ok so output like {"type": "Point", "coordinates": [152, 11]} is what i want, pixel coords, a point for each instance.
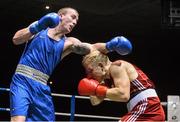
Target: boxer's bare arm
{"type": "Point", "coordinates": [101, 47]}
{"type": "Point", "coordinates": [22, 36]}
{"type": "Point", "coordinates": [121, 91]}
{"type": "Point", "coordinates": [96, 100]}
{"type": "Point", "coordinates": [78, 47]}
{"type": "Point", "coordinates": [81, 48]}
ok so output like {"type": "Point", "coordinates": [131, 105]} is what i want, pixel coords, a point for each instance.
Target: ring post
{"type": "Point", "coordinates": [72, 108]}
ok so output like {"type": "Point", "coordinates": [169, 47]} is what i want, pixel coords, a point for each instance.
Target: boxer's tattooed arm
{"type": "Point", "coordinates": [81, 48]}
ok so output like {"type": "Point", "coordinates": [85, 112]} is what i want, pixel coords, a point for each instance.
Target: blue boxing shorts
{"type": "Point", "coordinates": [31, 99]}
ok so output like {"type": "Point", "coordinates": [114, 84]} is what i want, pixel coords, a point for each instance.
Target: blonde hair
{"type": "Point", "coordinates": [65, 10]}
{"type": "Point", "coordinates": [94, 58]}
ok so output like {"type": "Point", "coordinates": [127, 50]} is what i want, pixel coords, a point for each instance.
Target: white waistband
{"type": "Point", "coordinates": [142, 95]}
{"type": "Point", "coordinates": [32, 73]}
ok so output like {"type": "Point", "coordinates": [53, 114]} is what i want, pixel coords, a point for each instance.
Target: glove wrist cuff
{"type": "Point", "coordinates": [109, 46]}
{"type": "Point", "coordinates": [33, 28]}
{"type": "Point", "coordinates": [101, 90]}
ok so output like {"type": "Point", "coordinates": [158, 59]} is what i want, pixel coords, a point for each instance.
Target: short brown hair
{"type": "Point", "coordinates": [65, 9]}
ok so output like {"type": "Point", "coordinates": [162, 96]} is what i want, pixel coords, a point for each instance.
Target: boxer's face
{"type": "Point", "coordinates": [98, 72]}
{"type": "Point", "coordinates": [69, 20]}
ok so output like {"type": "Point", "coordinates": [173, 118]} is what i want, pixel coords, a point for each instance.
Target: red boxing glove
{"type": "Point", "coordinates": [91, 87]}
{"type": "Point", "coordinates": [101, 90]}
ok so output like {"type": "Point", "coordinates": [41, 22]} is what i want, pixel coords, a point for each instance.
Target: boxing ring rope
{"type": "Point", "coordinates": [172, 100]}
{"type": "Point", "coordinates": [83, 97]}
{"type": "Point", "coordinates": [68, 114]}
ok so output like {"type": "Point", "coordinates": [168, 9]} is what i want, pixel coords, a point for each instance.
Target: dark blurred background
{"type": "Point", "coordinates": [153, 26]}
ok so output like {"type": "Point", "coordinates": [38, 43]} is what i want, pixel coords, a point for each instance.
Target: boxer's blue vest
{"type": "Point", "coordinates": [43, 53]}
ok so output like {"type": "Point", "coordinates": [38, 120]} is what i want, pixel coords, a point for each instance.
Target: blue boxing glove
{"type": "Point", "coordinates": [50, 20]}
{"type": "Point", "coordinates": [119, 44]}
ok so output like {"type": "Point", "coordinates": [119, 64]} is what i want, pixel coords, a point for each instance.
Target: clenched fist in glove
{"type": "Point", "coordinates": [50, 20]}
{"type": "Point", "coordinates": [119, 44]}
{"type": "Point", "coordinates": [91, 87]}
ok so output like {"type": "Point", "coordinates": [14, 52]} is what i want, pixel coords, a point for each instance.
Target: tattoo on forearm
{"type": "Point", "coordinates": [81, 49]}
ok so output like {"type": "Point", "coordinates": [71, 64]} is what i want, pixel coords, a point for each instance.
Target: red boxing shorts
{"type": "Point", "coordinates": [145, 106]}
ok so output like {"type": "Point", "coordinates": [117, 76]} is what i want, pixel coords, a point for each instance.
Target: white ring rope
{"type": "Point", "coordinates": [88, 116]}
{"type": "Point", "coordinates": [69, 96]}
{"type": "Point", "coordinates": [79, 97]}
{"type": "Point", "coordinates": [77, 115]}
{"type": "Point", "coordinates": [84, 97]}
